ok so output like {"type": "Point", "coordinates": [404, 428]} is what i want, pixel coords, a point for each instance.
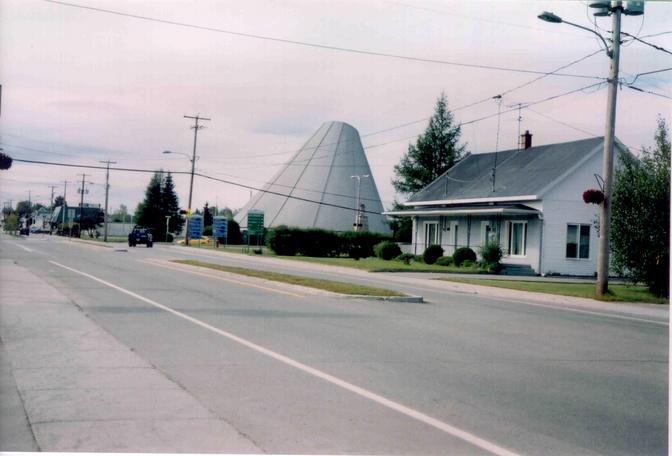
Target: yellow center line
{"type": "Point", "coordinates": [216, 276]}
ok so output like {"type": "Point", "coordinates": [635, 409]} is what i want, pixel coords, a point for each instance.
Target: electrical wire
{"type": "Point", "coordinates": [659, 48]}
{"type": "Point", "coordinates": [314, 45]}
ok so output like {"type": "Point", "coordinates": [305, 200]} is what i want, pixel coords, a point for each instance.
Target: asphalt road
{"type": "Point", "coordinates": [297, 372]}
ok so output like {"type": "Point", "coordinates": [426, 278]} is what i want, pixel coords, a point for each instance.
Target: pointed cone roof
{"type": "Point", "coordinates": [316, 188]}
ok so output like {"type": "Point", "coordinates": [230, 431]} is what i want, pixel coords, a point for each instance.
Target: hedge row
{"type": "Point", "coordinates": [316, 242]}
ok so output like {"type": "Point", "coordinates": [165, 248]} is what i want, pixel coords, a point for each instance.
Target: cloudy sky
{"type": "Point", "coordinates": [82, 83]}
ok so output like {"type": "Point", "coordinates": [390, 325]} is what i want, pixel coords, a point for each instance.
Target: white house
{"type": "Point", "coordinates": [528, 200]}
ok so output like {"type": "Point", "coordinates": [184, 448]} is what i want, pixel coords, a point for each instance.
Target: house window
{"type": "Point", "coordinates": [517, 238]}
{"type": "Point", "coordinates": [431, 233]}
{"type": "Point", "coordinates": [578, 241]}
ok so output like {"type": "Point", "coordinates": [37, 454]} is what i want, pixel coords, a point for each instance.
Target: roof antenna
{"type": "Point", "coordinates": [498, 98]}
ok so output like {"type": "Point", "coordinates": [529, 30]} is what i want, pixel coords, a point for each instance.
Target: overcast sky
{"type": "Point", "coordinates": [80, 86]}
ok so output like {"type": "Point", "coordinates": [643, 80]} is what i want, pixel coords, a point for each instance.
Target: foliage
{"type": "Point", "coordinates": [432, 253]}
{"type": "Point", "coordinates": [92, 218]}
{"type": "Point", "coordinates": [207, 215]}
{"type": "Point", "coordinates": [387, 250]}
{"type": "Point", "coordinates": [314, 242]}
{"type": "Point", "coordinates": [5, 161]}
{"type": "Point", "coordinates": [491, 253]}
{"type": "Point", "coordinates": [445, 261]}
{"type": "Point", "coordinates": [467, 264]}
{"type": "Point", "coordinates": [233, 233]}
{"type": "Point", "coordinates": [463, 254]}
{"type": "Point", "coordinates": [402, 227]}
{"type": "Point", "coordinates": [435, 151]}
{"type": "Point", "coordinates": [406, 258]}
{"type": "Point", "coordinates": [359, 244]}
{"type": "Point", "coordinates": [58, 201]}
{"type": "Point", "coordinates": [23, 209]}
{"type": "Point", "coordinates": [11, 223]}
{"type": "Point", "coordinates": [640, 229]}
{"type": "Point", "coordinates": [593, 196]}
{"type": "Point", "coordinates": [207, 230]}
{"type": "Point", "coordinates": [160, 201]}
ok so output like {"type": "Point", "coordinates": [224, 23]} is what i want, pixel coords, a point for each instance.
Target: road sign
{"type": "Point", "coordinates": [255, 222]}
{"type": "Point", "coordinates": [220, 226]}
{"type": "Point", "coordinates": [195, 227]}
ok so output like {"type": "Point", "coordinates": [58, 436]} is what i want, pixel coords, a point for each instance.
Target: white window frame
{"type": "Point", "coordinates": [437, 234]}
{"type": "Point", "coordinates": [578, 241]}
{"type": "Point", "coordinates": [509, 238]}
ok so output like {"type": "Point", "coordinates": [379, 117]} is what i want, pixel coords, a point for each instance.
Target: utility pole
{"type": "Point", "coordinates": [51, 204]}
{"type": "Point", "coordinates": [65, 206]}
{"type": "Point", "coordinates": [358, 209]}
{"type": "Point", "coordinates": [608, 157]}
{"type": "Point", "coordinates": [107, 190]}
{"type": "Point", "coordinates": [195, 127]}
{"type": "Point", "coordinates": [30, 210]}
{"type": "Point", "coordinates": [81, 205]}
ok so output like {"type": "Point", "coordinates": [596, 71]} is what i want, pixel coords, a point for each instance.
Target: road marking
{"type": "Point", "coordinates": [218, 277]}
{"type": "Point", "coordinates": [411, 413]}
{"type": "Point", "coordinates": [23, 247]}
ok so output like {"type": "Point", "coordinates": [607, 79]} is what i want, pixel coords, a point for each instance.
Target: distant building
{"type": "Point", "coordinates": [322, 186]}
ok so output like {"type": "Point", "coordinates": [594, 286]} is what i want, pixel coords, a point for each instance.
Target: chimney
{"type": "Point", "coordinates": [526, 139]}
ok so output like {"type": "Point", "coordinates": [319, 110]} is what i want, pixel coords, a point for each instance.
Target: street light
{"type": "Point", "coordinates": [192, 159]}
{"type": "Point", "coordinates": [358, 210]}
{"type": "Point", "coordinates": [605, 8]}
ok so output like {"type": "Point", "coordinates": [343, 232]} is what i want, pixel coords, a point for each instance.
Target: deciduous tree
{"type": "Point", "coordinates": [640, 224]}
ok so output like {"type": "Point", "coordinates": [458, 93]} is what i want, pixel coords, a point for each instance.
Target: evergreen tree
{"type": "Point", "coordinates": [640, 221]}
{"type": "Point", "coordinates": [207, 215]}
{"type": "Point", "coordinates": [58, 201]}
{"type": "Point", "coordinates": [435, 151]}
{"type": "Point", "coordinates": [150, 213]}
{"type": "Point", "coordinates": [171, 206]}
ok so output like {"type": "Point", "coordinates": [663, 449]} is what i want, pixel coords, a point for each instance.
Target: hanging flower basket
{"type": "Point", "coordinates": [593, 196]}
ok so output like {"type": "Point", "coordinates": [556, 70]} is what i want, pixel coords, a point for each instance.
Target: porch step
{"type": "Point", "coordinates": [518, 270]}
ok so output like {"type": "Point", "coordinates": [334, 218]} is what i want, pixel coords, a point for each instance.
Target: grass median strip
{"type": "Point", "coordinates": [320, 284]}
{"type": "Point", "coordinates": [617, 292]}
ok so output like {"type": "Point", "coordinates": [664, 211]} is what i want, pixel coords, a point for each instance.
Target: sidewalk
{"type": "Point", "coordinates": [67, 385]}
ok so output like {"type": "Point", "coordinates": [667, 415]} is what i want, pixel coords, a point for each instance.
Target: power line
{"type": "Point", "coordinates": [205, 176]}
{"type": "Point", "coordinates": [649, 92]}
{"type": "Point", "coordinates": [314, 45]}
{"type": "Point", "coordinates": [660, 48]}
{"type": "Point", "coordinates": [662, 70]}
{"type": "Point", "coordinates": [655, 34]}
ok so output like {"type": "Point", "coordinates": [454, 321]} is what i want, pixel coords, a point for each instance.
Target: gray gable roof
{"type": "Point", "coordinates": [519, 172]}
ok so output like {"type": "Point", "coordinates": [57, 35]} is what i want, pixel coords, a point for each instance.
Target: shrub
{"type": "Point", "coordinates": [432, 253]}
{"type": "Point", "coordinates": [359, 244]}
{"type": "Point", "coordinates": [445, 261]}
{"type": "Point", "coordinates": [207, 231]}
{"type": "Point", "coordinates": [233, 233]}
{"type": "Point", "coordinates": [281, 240]}
{"type": "Point", "coordinates": [406, 258]}
{"type": "Point", "coordinates": [387, 250]}
{"type": "Point", "coordinates": [463, 254]}
{"type": "Point", "coordinates": [467, 263]}
{"type": "Point", "coordinates": [170, 237]}
{"type": "Point", "coordinates": [491, 253]}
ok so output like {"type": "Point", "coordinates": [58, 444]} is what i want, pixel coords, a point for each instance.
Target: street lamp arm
{"type": "Point", "coordinates": [178, 153]}
{"type": "Point", "coordinates": [606, 45]}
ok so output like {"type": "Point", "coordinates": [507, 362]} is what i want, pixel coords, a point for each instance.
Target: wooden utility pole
{"type": "Point", "coordinates": [107, 190]}
{"type": "Point", "coordinates": [195, 127]}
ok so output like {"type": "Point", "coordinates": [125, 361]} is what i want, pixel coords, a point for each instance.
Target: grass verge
{"type": "Point", "coordinates": [617, 292]}
{"type": "Point", "coordinates": [320, 284]}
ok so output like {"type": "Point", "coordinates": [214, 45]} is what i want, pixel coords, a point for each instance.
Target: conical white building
{"type": "Point", "coordinates": [318, 188]}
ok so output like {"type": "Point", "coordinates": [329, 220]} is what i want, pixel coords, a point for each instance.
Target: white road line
{"type": "Point", "coordinates": [23, 247]}
{"type": "Point", "coordinates": [190, 270]}
{"type": "Point", "coordinates": [411, 413]}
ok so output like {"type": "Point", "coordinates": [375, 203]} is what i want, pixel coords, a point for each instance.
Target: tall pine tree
{"type": "Point", "coordinates": [435, 151]}
{"type": "Point", "coordinates": [171, 205]}
{"type": "Point", "coordinates": [149, 213]}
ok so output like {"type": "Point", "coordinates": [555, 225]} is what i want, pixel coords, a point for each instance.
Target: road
{"type": "Point", "coordinates": [298, 372]}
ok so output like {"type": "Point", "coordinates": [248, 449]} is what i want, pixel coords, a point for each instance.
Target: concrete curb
{"type": "Point", "coordinates": [412, 299]}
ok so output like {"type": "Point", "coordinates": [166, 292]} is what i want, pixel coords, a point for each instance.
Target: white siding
{"type": "Point", "coordinates": [564, 205]}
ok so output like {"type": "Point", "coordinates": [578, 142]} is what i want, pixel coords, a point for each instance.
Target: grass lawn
{"type": "Point", "coordinates": [617, 292]}
{"type": "Point", "coordinates": [320, 284]}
